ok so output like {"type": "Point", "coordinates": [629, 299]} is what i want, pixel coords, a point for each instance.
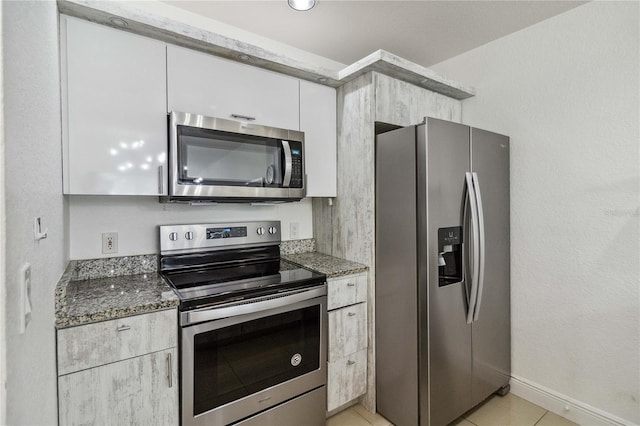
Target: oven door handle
{"type": "Point", "coordinates": [210, 314]}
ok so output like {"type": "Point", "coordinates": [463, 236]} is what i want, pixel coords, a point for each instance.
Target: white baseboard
{"type": "Point", "coordinates": [564, 406]}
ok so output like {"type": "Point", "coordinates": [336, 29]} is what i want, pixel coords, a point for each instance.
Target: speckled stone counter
{"type": "Point", "coordinates": [81, 301]}
{"type": "Point", "coordinates": [330, 266]}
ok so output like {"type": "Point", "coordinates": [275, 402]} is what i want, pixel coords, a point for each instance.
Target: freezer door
{"type": "Point", "coordinates": [443, 147]}
{"type": "Point", "coordinates": [491, 330]}
{"type": "Point", "coordinates": [396, 277]}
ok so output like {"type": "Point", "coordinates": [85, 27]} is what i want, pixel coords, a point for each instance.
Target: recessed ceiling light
{"type": "Point", "coordinates": [118, 21]}
{"type": "Point", "coordinates": [301, 4]}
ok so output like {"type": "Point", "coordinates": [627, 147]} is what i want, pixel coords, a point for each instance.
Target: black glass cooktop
{"type": "Point", "coordinates": [215, 278]}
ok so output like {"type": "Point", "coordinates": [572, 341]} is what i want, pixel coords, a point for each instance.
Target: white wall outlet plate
{"type": "Point", "coordinates": [109, 242]}
{"type": "Point", "coordinates": [294, 230]}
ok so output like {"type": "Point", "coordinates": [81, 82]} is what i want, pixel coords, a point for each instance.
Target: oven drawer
{"type": "Point", "coordinates": [346, 379]}
{"type": "Point", "coordinates": [92, 345]}
{"type": "Point", "coordinates": [307, 409]}
{"type": "Point", "coordinates": [347, 330]}
{"type": "Point", "coordinates": [345, 291]}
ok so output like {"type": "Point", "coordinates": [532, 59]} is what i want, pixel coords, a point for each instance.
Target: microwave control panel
{"type": "Point", "coordinates": [296, 164]}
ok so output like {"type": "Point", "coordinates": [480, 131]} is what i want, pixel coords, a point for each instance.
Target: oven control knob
{"type": "Point", "coordinates": [273, 230]}
{"type": "Point", "coordinates": [189, 235]}
{"type": "Point", "coordinates": [260, 231]}
{"type": "Point", "coordinates": [173, 236]}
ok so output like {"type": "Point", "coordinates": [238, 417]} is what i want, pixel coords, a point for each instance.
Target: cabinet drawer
{"type": "Point", "coordinates": [347, 379]}
{"type": "Point", "coordinates": [346, 291]}
{"type": "Point", "coordinates": [347, 330]}
{"type": "Point", "coordinates": [91, 345]}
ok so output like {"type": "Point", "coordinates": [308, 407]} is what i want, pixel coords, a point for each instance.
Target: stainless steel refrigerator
{"type": "Point", "coordinates": [442, 271]}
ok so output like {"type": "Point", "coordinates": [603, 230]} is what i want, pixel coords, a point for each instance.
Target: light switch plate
{"type": "Point", "coordinates": [25, 297]}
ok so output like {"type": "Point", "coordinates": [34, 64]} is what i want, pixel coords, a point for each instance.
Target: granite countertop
{"type": "Point", "coordinates": [330, 266]}
{"type": "Point", "coordinates": [103, 289]}
{"type": "Point", "coordinates": [83, 301]}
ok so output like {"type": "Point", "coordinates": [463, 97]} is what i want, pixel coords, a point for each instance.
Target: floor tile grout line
{"type": "Point", "coordinates": [545, 413]}
{"type": "Point", "coordinates": [356, 411]}
{"type": "Point", "coordinates": [473, 422]}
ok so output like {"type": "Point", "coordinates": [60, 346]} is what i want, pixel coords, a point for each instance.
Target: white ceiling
{"type": "Point", "coordinates": [425, 32]}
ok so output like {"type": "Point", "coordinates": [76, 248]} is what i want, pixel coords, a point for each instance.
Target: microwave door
{"type": "Point", "coordinates": [224, 162]}
{"type": "Point", "coordinates": [220, 160]}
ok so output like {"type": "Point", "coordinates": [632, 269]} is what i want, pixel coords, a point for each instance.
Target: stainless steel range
{"type": "Point", "coordinates": [253, 327]}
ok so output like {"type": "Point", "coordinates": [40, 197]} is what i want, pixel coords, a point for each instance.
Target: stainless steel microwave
{"type": "Point", "coordinates": [218, 160]}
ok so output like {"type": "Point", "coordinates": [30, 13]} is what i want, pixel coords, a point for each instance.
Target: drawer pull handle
{"type": "Point", "coordinates": [351, 285]}
{"type": "Point", "coordinates": [123, 328]}
{"type": "Point", "coordinates": [264, 400]}
{"type": "Point", "coordinates": [350, 362]}
{"type": "Point", "coordinates": [243, 117]}
{"type": "Point", "coordinates": [352, 314]}
{"type": "Point", "coordinates": [169, 372]}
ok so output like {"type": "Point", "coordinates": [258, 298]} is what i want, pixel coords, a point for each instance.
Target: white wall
{"type": "Point", "coordinates": [567, 92]}
{"type": "Point", "coordinates": [136, 221]}
{"type": "Point", "coordinates": [3, 251]}
{"type": "Point", "coordinates": [33, 189]}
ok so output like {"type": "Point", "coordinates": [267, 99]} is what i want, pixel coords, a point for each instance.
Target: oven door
{"type": "Point", "coordinates": [235, 367]}
{"type": "Point", "coordinates": [214, 158]}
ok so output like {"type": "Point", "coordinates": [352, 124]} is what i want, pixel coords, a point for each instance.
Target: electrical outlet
{"type": "Point", "coordinates": [294, 230]}
{"type": "Point", "coordinates": [109, 242]}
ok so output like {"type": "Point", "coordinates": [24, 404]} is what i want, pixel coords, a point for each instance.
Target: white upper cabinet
{"type": "Point", "coordinates": [318, 122]}
{"type": "Point", "coordinates": [202, 84]}
{"type": "Point", "coordinates": [114, 111]}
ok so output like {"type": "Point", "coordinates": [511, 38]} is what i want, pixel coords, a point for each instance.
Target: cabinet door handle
{"type": "Point", "coordinates": [160, 179]}
{"type": "Point", "coordinates": [352, 314]}
{"type": "Point", "coordinates": [350, 362]}
{"type": "Point", "coordinates": [351, 285]}
{"type": "Point", "coordinates": [242, 117]}
{"type": "Point", "coordinates": [123, 328]}
{"type": "Point", "coordinates": [169, 375]}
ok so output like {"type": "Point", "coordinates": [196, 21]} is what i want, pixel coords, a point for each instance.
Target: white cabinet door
{"type": "Point", "coordinates": [318, 122]}
{"type": "Point", "coordinates": [347, 330]}
{"type": "Point", "coordinates": [202, 84]}
{"type": "Point", "coordinates": [114, 111]}
{"type": "Point", "coordinates": [138, 391]}
{"type": "Point", "coordinates": [346, 379]}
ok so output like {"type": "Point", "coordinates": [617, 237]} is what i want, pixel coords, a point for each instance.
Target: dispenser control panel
{"type": "Point", "coordinates": [450, 255]}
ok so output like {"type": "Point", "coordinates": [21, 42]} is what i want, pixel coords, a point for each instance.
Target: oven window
{"type": "Point", "coordinates": [210, 157]}
{"type": "Point", "coordinates": [236, 361]}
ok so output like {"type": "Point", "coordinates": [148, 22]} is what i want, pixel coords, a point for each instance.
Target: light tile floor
{"type": "Point", "coordinates": [497, 411]}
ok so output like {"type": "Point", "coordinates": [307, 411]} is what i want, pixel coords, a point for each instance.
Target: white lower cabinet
{"type": "Point", "coordinates": [122, 371]}
{"type": "Point", "coordinates": [347, 352]}
{"type": "Point", "coordinates": [141, 391]}
{"type": "Point", "coordinates": [346, 379]}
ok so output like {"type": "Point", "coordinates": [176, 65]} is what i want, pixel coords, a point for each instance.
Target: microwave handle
{"type": "Point", "coordinates": [287, 164]}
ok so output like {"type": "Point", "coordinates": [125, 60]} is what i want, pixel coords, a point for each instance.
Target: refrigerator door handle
{"type": "Point", "coordinates": [471, 194]}
{"type": "Point", "coordinates": [476, 185]}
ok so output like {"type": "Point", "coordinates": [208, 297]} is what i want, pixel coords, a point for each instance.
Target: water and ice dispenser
{"type": "Point", "coordinates": [449, 255]}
